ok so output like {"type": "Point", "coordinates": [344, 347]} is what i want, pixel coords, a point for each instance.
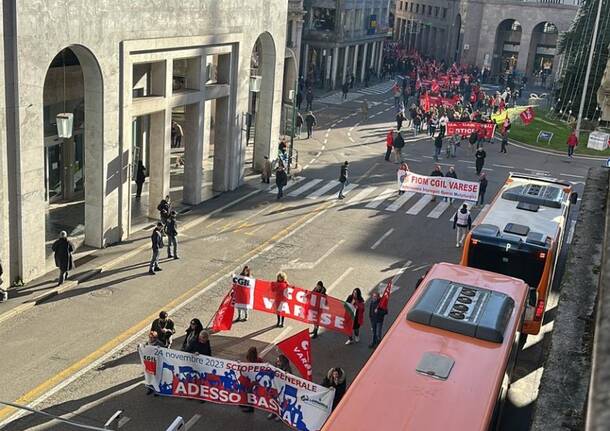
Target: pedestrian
{"type": "Point", "coordinates": [164, 208]}
{"type": "Point", "coordinates": [432, 123]}
{"type": "Point", "coordinates": [179, 134]}
{"type": "Point", "coordinates": [309, 99]}
{"type": "Point", "coordinates": [281, 179]}
{"type": "Point", "coordinates": [451, 174]}
{"type": "Point", "coordinates": [153, 340]}
{"type": "Point", "coordinates": [479, 156]}
{"type": "Point", "coordinates": [298, 122]}
{"type": "Point", "coordinates": [399, 143]}
{"type": "Point", "coordinates": [472, 141]}
{"type": "Point", "coordinates": [463, 222]}
{"type": "Point", "coordinates": [344, 90]}
{"type": "Point", "coordinates": [438, 146]}
{"type": "Point", "coordinates": [442, 124]}
{"type": "Point", "coordinates": [3, 292]}
{"type": "Point", "coordinates": [299, 100]}
{"type": "Point", "coordinates": [365, 110]}
{"type": "Point", "coordinates": [436, 173]}
{"type": "Point", "coordinates": [402, 170]}
{"type": "Point", "coordinates": [416, 124]}
{"type": "Point", "coordinates": [192, 332]}
{"type": "Point", "coordinates": [140, 179]}
{"type": "Point", "coordinates": [202, 345]}
{"type": "Point", "coordinates": [389, 144]}
{"type": "Point", "coordinates": [266, 172]}
{"type": "Point", "coordinates": [504, 142]}
{"type": "Point", "coordinates": [400, 117]}
{"type": "Point", "coordinates": [171, 230]}
{"type": "Point", "coordinates": [245, 272]}
{"type": "Point", "coordinates": [156, 239]}
{"type": "Point", "coordinates": [376, 315]}
{"type": "Point", "coordinates": [335, 378]}
{"type": "Point", "coordinates": [251, 356]}
{"type": "Point", "coordinates": [321, 290]}
{"type": "Point", "coordinates": [164, 327]}
{"type": "Point", "coordinates": [62, 252]}
{"type": "Point", "coordinates": [343, 178]}
{"type": "Point", "coordinates": [358, 303]}
{"type": "Point", "coordinates": [283, 364]}
{"type": "Point", "coordinates": [281, 283]}
{"type": "Point", "coordinates": [572, 143]}
{"type": "Point", "coordinates": [310, 122]}
{"type": "Point", "coordinates": [482, 188]}
{"type": "Point", "coordinates": [454, 142]}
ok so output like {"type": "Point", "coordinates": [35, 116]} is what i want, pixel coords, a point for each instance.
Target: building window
{"type": "Point", "coordinates": [406, 5]}
{"type": "Point", "coordinates": [429, 10]}
{"type": "Point", "coordinates": [417, 8]}
{"type": "Point", "coordinates": [436, 10]}
{"type": "Point", "coordinates": [444, 12]}
{"type": "Point", "coordinates": [323, 18]}
{"type": "Point", "coordinates": [411, 7]}
{"type": "Point", "coordinates": [400, 6]}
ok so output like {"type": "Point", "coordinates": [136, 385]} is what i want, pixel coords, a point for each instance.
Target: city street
{"type": "Point", "coordinates": [75, 355]}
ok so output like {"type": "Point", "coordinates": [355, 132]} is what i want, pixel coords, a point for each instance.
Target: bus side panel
{"type": "Point", "coordinates": [532, 327]}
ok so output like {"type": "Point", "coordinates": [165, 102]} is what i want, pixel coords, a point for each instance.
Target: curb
{"type": "Point", "coordinates": [525, 146]}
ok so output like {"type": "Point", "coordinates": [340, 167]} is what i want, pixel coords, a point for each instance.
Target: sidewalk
{"type": "Point", "coordinates": [91, 263]}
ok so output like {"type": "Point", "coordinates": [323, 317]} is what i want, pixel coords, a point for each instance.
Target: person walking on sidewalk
{"type": "Point", "coordinates": [365, 110]}
{"type": "Point", "coordinates": [389, 144]}
{"type": "Point", "coordinates": [358, 303]}
{"type": "Point", "coordinates": [281, 179]}
{"type": "Point", "coordinates": [164, 208]}
{"type": "Point", "coordinates": [140, 179]}
{"type": "Point", "coordinates": [343, 179]}
{"type": "Point", "coordinates": [321, 290]}
{"type": "Point", "coordinates": [171, 230]}
{"type": "Point", "coordinates": [344, 90]}
{"type": "Point", "coordinates": [310, 122]}
{"type": "Point", "coordinates": [438, 146]}
{"type": "Point", "coordinates": [309, 99]}
{"type": "Point", "coordinates": [62, 252]}
{"type": "Point", "coordinates": [482, 188]}
{"type": "Point", "coordinates": [376, 316]}
{"type": "Point", "coordinates": [266, 173]}
{"type": "Point", "coordinates": [504, 142]}
{"type": "Point", "coordinates": [157, 244]}
{"type": "Point", "coordinates": [480, 159]}
{"type": "Point", "coordinates": [463, 222]}
{"type": "Point", "coordinates": [298, 122]}
{"type": "Point", "coordinates": [164, 327]}
{"type": "Point", "coordinates": [400, 117]}
{"type": "Point", "coordinates": [572, 143]}
{"type": "Point", "coordinates": [399, 144]}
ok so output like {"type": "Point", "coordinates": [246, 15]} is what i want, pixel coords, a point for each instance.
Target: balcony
{"type": "Point", "coordinates": [320, 35]}
{"type": "Point", "coordinates": [555, 2]}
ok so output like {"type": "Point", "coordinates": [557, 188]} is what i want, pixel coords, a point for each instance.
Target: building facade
{"type": "Point", "coordinates": [503, 36]}
{"type": "Point", "coordinates": [343, 38]}
{"type": "Point", "coordinates": [139, 80]}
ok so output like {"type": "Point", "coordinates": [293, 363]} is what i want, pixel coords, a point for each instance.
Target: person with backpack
{"type": "Point", "coordinates": [463, 222]}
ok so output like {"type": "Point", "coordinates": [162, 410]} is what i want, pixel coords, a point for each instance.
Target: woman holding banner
{"type": "Point", "coordinates": [280, 285]}
{"type": "Point", "coordinates": [321, 290]}
{"type": "Point", "coordinates": [358, 303]}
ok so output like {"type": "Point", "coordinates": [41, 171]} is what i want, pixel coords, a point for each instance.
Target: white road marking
{"type": "Point", "coordinates": [438, 209]}
{"type": "Point", "coordinates": [309, 185]}
{"type": "Point", "coordinates": [402, 199]}
{"type": "Point", "coordinates": [322, 190]}
{"type": "Point", "coordinates": [411, 160]}
{"type": "Point", "coordinates": [466, 161]}
{"type": "Point", "coordinates": [348, 188]}
{"type": "Point", "coordinates": [419, 268]}
{"type": "Point", "coordinates": [537, 170]}
{"type": "Point", "coordinates": [571, 232]}
{"type": "Point", "coordinates": [504, 166]}
{"type": "Point", "coordinates": [362, 195]}
{"type": "Point", "coordinates": [340, 279]}
{"type": "Point", "coordinates": [400, 272]}
{"type": "Point", "coordinates": [420, 205]}
{"type": "Point", "coordinates": [570, 175]}
{"type": "Point", "coordinates": [291, 183]}
{"type": "Point", "coordinates": [271, 345]}
{"type": "Point", "coordinates": [375, 202]}
{"type": "Point", "coordinates": [192, 421]}
{"type": "Point", "coordinates": [380, 240]}
{"type": "Point", "coordinates": [312, 265]}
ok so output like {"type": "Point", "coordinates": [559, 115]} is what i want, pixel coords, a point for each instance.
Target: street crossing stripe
{"type": "Point", "coordinates": [330, 185]}
{"type": "Point", "coordinates": [402, 199]}
{"type": "Point", "coordinates": [438, 209]}
{"type": "Point", "coordinates": [291, 183]}
{"type": "Point", "coordinates": [348, 188]}
{"type": "Point", "coordinates": [362, 195]}
{"type": "Point", "coordinates": [420, 205]}
{"type": "Point", "coordinates": [375, 202]}
{"type": "Point", "coordinates": [309, 185]}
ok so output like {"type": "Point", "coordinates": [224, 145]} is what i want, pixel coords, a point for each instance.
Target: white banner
{"type": "Point", "coordinates": [301, 404]}
{"type": "Point", "coordinates": [438, 186]}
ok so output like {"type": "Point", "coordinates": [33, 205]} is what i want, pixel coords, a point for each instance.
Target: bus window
{"type": "Point", "coordinates": [526, 265]}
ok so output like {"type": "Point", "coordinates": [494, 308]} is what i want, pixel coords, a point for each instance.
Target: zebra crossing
{"type": "Point", "coordinates": [373, 197]}
{"type": "Point", "coordinates": [375, 90]}
{"type": "Point", "coordinates": [382, 88]}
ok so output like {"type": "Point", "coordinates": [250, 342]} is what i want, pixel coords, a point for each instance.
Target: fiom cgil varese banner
{"type": "Point", "coordinates": [438, 186]}
{"type": "Point", "coordinates": [301, 404]}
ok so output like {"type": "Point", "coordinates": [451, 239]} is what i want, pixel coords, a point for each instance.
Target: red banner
{"type": "Point", "coordinates": [385, 298]}
{"type": "Point", "coordinates": [443, 101]}
{"type": "Point", "coordinates": [298, 351]}
{"type": "Point", "coordinates": [223, 319]}
{"type": "Point", "coordinates": [465, 128]}
{"type": "Point", "coordinates": [294, 302]}
{"type": "Point", "coordinates": [527, 116]}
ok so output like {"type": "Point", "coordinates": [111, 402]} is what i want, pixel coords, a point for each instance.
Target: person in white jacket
{"type": "Point", "coordinates": [463, 222]}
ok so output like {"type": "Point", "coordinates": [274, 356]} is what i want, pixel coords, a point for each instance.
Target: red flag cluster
{"type": "Point", "coordinates": [527, 116]}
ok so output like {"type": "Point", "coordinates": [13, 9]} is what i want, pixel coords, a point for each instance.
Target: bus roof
{"type": "Point", "coordinates": [389, 392]}
{"type": "Point", "coordinates": [526, 208]}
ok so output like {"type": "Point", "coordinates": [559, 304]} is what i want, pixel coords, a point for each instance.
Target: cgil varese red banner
{"type": "Point", "coordinates": [465, 128]}
{"type": "Point", "coordinates": [298, 351]}
{"type": "Point", "coordinates": [293, 302]}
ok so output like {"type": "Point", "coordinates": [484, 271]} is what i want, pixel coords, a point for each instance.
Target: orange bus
{"type": "Point", "coordinates": [445, 363]}
{"type": "Point", "coordinates": [521, 234]}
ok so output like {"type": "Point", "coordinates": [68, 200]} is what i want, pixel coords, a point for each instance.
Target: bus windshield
{"type": "Point", "coordinates": [522, 264]}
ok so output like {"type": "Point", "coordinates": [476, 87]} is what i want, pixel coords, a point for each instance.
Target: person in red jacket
{"type": "Point", "coordinates": [389, 144]}
{"type": "Point", "coordinates": [358, 302]}
{"type": "Point", "coordinates": [572, 143]}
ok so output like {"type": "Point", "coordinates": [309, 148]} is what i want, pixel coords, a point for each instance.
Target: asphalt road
{"type": "Point", "coordinates": [358, 242]}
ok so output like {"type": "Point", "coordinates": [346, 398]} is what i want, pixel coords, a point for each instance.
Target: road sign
{"type": "Point", "coordinates": [544, 136]}
{"type": "Point", "coordinates": [598, 140]}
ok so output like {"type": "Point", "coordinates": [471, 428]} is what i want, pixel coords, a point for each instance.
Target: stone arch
{"type": "Point", "coordinates": [506, 46]}
{"type": "Point", "coordinates": [542, 49]}
{"type": "Point", "coordinates": [263, 64]}
{"type": "Point", "coordinates": [88, 120]}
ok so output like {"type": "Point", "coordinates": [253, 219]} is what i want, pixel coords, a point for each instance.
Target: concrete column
{"type": "Point", "coordinates": [363, 71]}
{"type": "Point", "coordinates": [305, 61]}
{"type": "Point", "coordinates": [380, 59]}
{"type": "Point", "coordinates": [355, 65]}
{"type": "Point", "coordinates": [222, 145]}
{"type": "Point", "coordinates": [345, 60]}
{"type": "Point", "coordinates": [373, 53]}
{"type": "Point", "coordinates": [333, 73]}
{"type": "Point", "coordinates": [159, 168]}
{"type": "Point", "coordinates": [524, 49]}
{"type": "Point", "coordinates": [193, 153]}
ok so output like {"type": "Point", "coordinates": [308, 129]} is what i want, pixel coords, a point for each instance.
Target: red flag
{"type": "Point", "coordinates": [426, 103]}
{"type": "Point", "coordinates": [435, 87]}
{"type": "Point", "coordinates": [298, 351]}
{"type": "Point", "coordinates": [223, 319]}
{"type": "Point", "coordinates": [385, 298]}
{"type": "Point", "coordinates": [527, 116]}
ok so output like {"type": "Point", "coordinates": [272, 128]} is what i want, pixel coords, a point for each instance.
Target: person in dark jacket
{"type": "Point", "coordinates": [171, 230]}
{"type": "Point", "coordinates": [343, 178]}
{"type": "Point", "coordinates": [202, 345]}
{"type": "Point", "coordinates": [192, 332]}
{"type": "Point", "coordinates": [504, 142]}
{"type": "Point", "coordinates": [309, 99]}
{"type": "Point", "coordinates": [472, 141]}
{"type": "Point", "coordinates": [157, 244]}
{"type": "Point", "coordinates": [399, 144]}
{"type": "Point", "coordinates": [164, 327]}
{"type": "Point", "coordinates": [335, 378]}
{"type": "Point", "coordinates": [463, 222]}
{"type": "Point", "coordinates": [62, 250]}
{"type": "Point", "coordinates": [310, 122]}
{"type": "Point", "coordinates": [376, 316]}
{"type": "Point", "coordinates": [482, 188]}
{"type": "Point", "coordinates": [436, 173]}
{"type": "Point", "coordinates": [299, 99]}
{"type": "Point", "coordinates": [140, 178]}
{"type": "Point", "coordinates": [438, 146]}
{"type": "Point", "coordinates": [281, 179]}
{"type": "Point", "coordinates": [298, 122]}
{"type": "Point", "coordinates": [451, 174]}
{"type": "Point", "coordinates": [283, 364]}
{"type": "Point", "coordinates": [479, 157]}
{"type": "Point", "coordinates": [322, 291]}
{"type": "Point", "coordinates": [164, 208]}
{"type": "Point", "coordinates": [400, 117]}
